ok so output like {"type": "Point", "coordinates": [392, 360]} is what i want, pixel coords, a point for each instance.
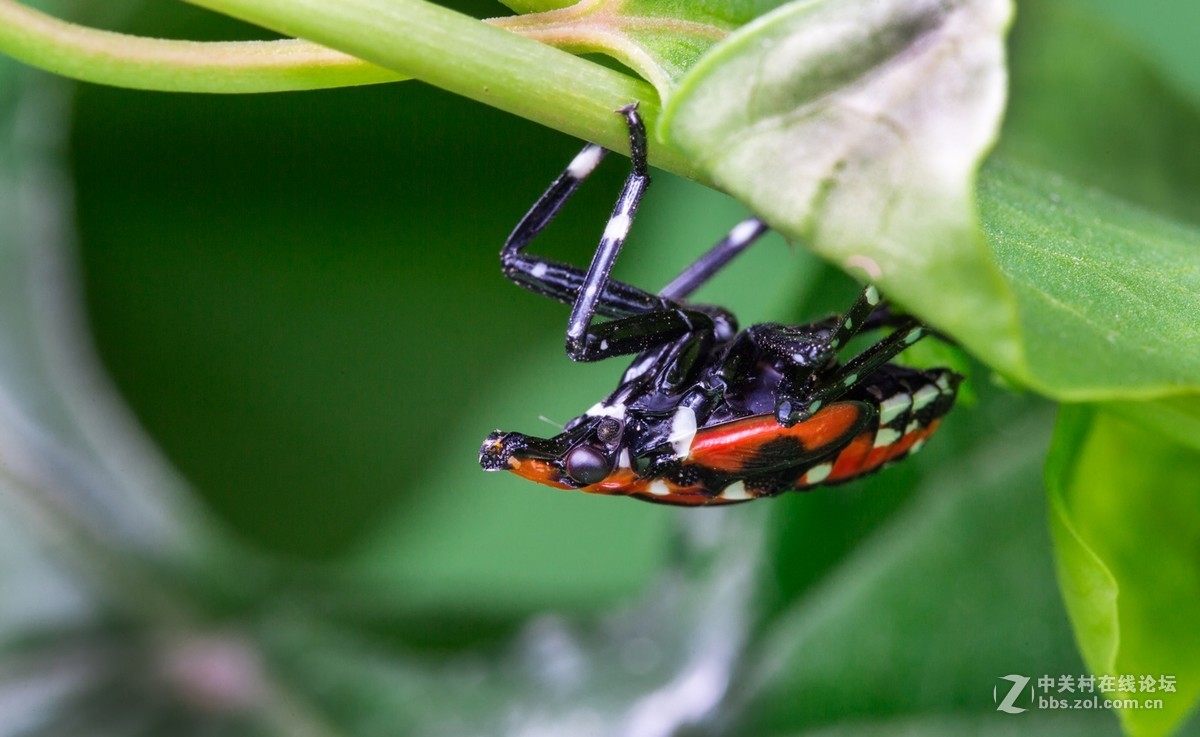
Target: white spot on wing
{"type": "Point", "coordinates": [659, 488]}
{"type": "Point", "coordinates": [924, 396]}
{"type": "Point", "coordinates": [886, 436]}
{"type": "Point", "coordinates": [736, 492]}
{"type": "Point", "coordinates": [683, 431]}
{"type": "Point", "coordinates": [891, 407]}
{"type": "Point", "coordinates": [819, 473]}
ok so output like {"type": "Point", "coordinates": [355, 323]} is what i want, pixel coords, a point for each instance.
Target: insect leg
{"type": "Point", "coordinates": [629, 335]}
{"type": "Point", "coordinates": [794, 402]}
{"type": "Point", "coordinates": [724, 251]}
{"type": "Point", "coordinates": [556, 280]}
{"type": "Point", "coordinates": [859, 317]}
{"type": "Point", "coordinates": [794, 407]}
{"type": "Point", "coordinates": [614, 236]}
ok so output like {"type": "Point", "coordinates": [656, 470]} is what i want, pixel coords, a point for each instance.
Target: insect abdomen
{"type": "Point", "coordinates": [909, 406]}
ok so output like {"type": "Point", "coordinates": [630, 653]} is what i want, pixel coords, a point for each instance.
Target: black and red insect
{"type": "Point", "coordinates": [707, 414]}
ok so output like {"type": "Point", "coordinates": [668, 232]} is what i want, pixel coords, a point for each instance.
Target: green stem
{"type": "Point", "coordinates": [176, 66]}
{"type": "Point", "coordinates": [470, 58]}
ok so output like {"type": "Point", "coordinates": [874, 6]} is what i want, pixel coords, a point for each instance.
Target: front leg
{"type": "Point", "coordinates": [807, 385]}
{"type": "Point", "coordinates": [584, 310]}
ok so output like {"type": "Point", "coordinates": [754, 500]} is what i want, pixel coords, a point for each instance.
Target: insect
{"type": "Point", "coordinates": [709, 414]}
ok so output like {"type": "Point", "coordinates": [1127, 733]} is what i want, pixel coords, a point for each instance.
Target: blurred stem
{"type": "Point", "coordinates": [473, 59]}
{"type": "Point", "coordinates": [402, 37]}
{"type": "Point", "coordinates": [137, 62]}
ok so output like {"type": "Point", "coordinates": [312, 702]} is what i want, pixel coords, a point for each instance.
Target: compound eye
{"type": "Point", "coordinates": [587, 466]}
{"type": "Point", "coordinates": [609, 430]}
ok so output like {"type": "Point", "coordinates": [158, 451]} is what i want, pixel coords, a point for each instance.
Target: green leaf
{"type": "Point", "coordinates": [1108, 289]}
{"type": "Point", "coordinates": [1086, 104]}
{"type": "Point", "coordinates": [1109, 292]}
{"type": "Point", "coordinates": [839, 133]}
{"type": "Point", "coordinates": [1126, 522]}
{"type": "Point", "coordinates": [926, 614]}
{"type": "Point", "coordinates": [857, 127]}
{"type": "Point", "coordinates": [1177, 418]}
{"type": "Point", "coordinates": [660, 39]}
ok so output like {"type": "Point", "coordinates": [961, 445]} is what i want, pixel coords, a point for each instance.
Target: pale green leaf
{"type": "Point", "coordinates": [856, 127]}
{"type": "Point", "coordinates": [1126, 519]}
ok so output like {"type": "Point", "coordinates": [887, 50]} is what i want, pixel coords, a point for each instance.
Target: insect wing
{"type": "Point", "coordinates": [759, 444]}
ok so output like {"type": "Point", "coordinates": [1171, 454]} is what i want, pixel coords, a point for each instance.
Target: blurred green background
{"type": "Point", "coordinates": [299, 297]}
{"type": "Point", "coordinates": [299, 294]}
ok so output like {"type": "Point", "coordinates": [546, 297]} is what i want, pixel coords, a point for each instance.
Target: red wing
{"type": "Point", "coordinates": [862, 457]}
{"type": "Point", "coordinates": [759, 444]}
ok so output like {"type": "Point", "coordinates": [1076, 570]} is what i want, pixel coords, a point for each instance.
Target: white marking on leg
{"type": "Point", "coordinates": [585, 161]}
{"type": "Point", "coordinates": [913, 336]}
{"type": "Point", "coordinates": [886, 436]}
{"type": "Point", "coordinates": [812, 408]}
{"type": "Point", "coordinates": [538, 271]}
{"type": "Point", "coordinates": [599, 409]}
{"type": "Point", "coordinates": [834, 343]}
{"type": "Point", "coordinates": [744, 231]}
{"type": "Point", "coordinates": [618, 227]}
{"type": "Point", "coordinates": [736, 492]}
{"type": "Point", "coordinates": [818, 473]}
{"type": "Point", "coordinates": [604, 345]}
{"type": "Point", "coordinates": [891, 407]}
{"type": "Point", "coordinates": [683, 431]}
{"type": "Point", "coordinates": [849, 323]}
{"type": "Point", "coordinates": [850, 380]}
{"type": "Point", "coordinates": [638, 369]}
{"type": "Point", "coordinates": [924, 396]}
{"type": "Point", "coordinates": [623, 460]}
{"type": "Point", "coordinates": [659, 488]}
{"type": "Point", "coordinates": [872, 295]}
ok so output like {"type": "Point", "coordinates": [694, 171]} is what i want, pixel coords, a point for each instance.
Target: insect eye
{"type": "Point", "coordinates": [587, 465]}
{"type": "Point", "coordinates": [608, 430]}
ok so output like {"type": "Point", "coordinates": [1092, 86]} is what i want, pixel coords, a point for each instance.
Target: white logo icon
{"type": "Point", "coordinates": [1018, 685]}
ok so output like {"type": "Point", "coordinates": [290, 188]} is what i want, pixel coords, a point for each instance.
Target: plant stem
{"type": "Point", "coordinates": [122, 60]}
{"type": "Point", "coordinates": [470, 58]}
